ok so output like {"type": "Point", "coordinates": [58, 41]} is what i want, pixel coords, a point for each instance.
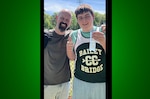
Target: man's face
{"type": "Point", "coordinates": [62, 26]}
{"type": "Point", "coordinates": [64, 21]}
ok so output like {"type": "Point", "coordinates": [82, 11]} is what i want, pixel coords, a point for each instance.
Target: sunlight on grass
{"type": "Point", "coordinates": [72, 75]}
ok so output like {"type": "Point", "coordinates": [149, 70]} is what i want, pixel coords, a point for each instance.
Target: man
{"type": "Point", "coordinates": [57, 72]}
{"type": "Point", "coordinates": [89, 75]}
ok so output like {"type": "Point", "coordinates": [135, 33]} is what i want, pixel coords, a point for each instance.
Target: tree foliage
{"type": "Point", "coordinates": [50, 20]}
{"type": "Point", "coordinates": [99, 18]}
{"type": "Point", "coordinates": [47, 21]}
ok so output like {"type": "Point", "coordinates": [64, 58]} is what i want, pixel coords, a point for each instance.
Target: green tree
{"type": "Point", "coordinates": [50, 20]}
{"type": "Point", "coordinates": [74, 24]}
{"type": "Point", "coordinates": [53, 20]}
{"type": "Point", "coordinates": [47, 19]}
{"type": "Point", "coordinates": [98, 18]}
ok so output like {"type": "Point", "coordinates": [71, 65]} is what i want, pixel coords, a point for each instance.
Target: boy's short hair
{"type": "Point", "coordinates": [84, 8]}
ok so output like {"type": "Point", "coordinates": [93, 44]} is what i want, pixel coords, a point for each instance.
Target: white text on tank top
{"type": "Point", "coordinates": [89, 60]}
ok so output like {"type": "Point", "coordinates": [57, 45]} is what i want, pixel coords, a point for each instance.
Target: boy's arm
{"type": "Point", "coordinates": [69, 48]}
{"type": "Point", "coordinates": [100, 37]}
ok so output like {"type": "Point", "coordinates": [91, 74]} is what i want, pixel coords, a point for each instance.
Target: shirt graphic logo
{"type": "Point", "coordinates": [90, 61]}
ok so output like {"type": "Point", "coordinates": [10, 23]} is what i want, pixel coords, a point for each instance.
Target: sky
{"type": "Point", "coordinates": [51, 6]}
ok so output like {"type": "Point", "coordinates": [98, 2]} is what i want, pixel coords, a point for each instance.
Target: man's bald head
{"type": "Point", "coordinates": [63, 20]}
{"type": "Point", "coordinates": [65, 11]}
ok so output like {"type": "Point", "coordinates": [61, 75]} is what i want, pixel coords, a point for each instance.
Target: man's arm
{"type": "Point", "coordinates": [46, 38]}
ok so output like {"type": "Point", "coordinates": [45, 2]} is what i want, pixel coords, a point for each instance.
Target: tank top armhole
{"type": "Point", "coordinates": [75, 38]}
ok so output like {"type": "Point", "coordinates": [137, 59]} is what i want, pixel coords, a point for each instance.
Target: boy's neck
{"type": "Point", "coordinates": [87, 30]}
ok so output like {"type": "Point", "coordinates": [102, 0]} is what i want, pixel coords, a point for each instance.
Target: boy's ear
{"type": "Point", "coordinates": [93, 17]}
{"type": "Point", "coordinates": [56, 17]}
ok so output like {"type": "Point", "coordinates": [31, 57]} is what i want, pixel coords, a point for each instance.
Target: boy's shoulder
{"type": "Point", "coordinates": [68, 32]}
{"type": "Point", "coordinates": [75, 31]}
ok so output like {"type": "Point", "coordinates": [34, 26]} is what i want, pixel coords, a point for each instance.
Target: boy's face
{"type": "Point", "coordinates": [85, 20]}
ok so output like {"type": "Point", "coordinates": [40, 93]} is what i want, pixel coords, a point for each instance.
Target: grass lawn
{"type": "Point", "coordinates": [72, 70]}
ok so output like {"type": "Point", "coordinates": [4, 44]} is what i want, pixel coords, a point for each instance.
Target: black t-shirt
{"type": "Point", "coordinates": [56, 62]}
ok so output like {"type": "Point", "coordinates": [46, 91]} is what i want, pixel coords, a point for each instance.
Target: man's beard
{"type": "Point", "coordinates": [62, 28]}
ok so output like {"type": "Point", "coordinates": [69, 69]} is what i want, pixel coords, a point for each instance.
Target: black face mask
{"type": "Point", "coordinates": [62, 26]}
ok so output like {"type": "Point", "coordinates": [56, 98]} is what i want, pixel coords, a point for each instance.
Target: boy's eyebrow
{"type": "Point", "coordinates": [86, 14]}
